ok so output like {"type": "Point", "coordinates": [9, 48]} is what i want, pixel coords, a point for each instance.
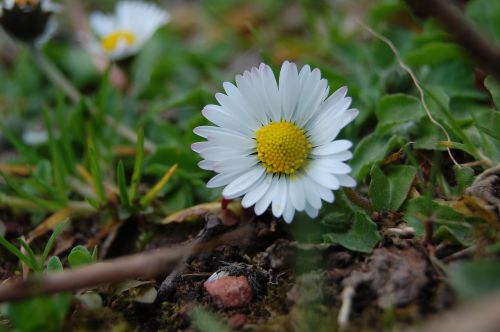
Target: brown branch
{"type": "Point", "coordinates": [146, 265]}
{"type": "Point", "coordinates": [486, 53]}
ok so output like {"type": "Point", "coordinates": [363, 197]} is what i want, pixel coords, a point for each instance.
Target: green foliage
{"type": "Point", "coordinates": [54, 264]}
{"type": "Point", "coordinates": [40, 313]}
{"type": "Point", "coordinates": [80, 255]}
{"type": "Point", "coordinates": [447, 223]}
{"type": "Point", "coordinates": [205, 321]}
{"type": "Point", "coordinates": [388, 191]}
{"type": "Point", "coordinates": [397, 109]}
{"type": "Point", "coordinates": [350, 227]}
{"type": "Point", "coordinates": [30, 258]}
{"type": "Point", "coordinates": [474, 279]}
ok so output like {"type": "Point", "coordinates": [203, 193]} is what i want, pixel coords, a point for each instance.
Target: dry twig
{"type": "Point", "coordinates": [144, 265]}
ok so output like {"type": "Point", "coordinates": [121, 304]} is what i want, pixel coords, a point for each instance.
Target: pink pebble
{"type": "Point", "coordinates": [229, 291]}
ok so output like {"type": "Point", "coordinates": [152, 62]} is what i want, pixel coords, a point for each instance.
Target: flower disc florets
{"type": "Point", "coordinates": [282, 147]}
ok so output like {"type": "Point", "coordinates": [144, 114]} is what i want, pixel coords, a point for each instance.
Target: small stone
{"type": "Point", "coordinates": [237, 321]}
{"type": "Point", "coordinates": [229, 291]}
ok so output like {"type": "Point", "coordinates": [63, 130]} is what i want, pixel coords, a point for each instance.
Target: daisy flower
{"type": "Point", "coordinates": [274, 143]}
{"type": "Point", "coordinates": [29, 20]}
{"type": "Point", "coordinates": [122, 34]}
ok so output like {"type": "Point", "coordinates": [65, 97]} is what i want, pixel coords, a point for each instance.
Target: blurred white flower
{"type": "Point", "coordinates": [124, 33]}
{"type": "Point", "coordinates": [30, 21]}
{"type": "Point", "coordinates": [275, 144]}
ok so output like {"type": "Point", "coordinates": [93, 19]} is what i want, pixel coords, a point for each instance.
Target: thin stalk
{"type": "Point", "coordinates": [358, 199]}
{"type": "Point", "coordinates": [80, 208]}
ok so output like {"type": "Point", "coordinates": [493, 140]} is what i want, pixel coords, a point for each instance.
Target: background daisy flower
{"type": "Point", "coordinates": [124, 33]}
{"type": "Point", "coordinates": [29, 20]}
{"type": "Point", "coordinates": [275, 144]}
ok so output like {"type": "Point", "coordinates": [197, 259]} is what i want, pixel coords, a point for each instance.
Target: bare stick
{"type": "Point", "coordinates": [146, 265]}
{"type": "Point", "coordinates": [345, 309]}
{"type": "Point", "coordinates": [465, 33]}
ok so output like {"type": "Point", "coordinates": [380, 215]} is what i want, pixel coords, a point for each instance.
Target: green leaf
{"type": "Point", "coordinates": [78, 256]}
{"type": "Point", "coordinates": [421, 209]}
{"type": "Point", "coordinates": [434, 53]}
{"type": "Point", "coordinates": [40, 313]}
{"type": "Point", "coordinates": [396, 109]}
{"type": "Point", "coordinates": [58, 165]}
{"type": "Point", "coordinates": [474, 279]}
{"type": "Point", "coordinates": [54, 264]}
{"type": "Point", "coordinates": [26, 151]}
{"type": "Point", "coordinates": [205, 321]}
{"type": "Point", "coordinates": [493, 87]}
{"type": "Point", "coordinates": [50, 243]}
{"type": "Point", "coordinates": [362, 236]}
{"type": "Point", "coordinates": [31, 255]}
{"type": "Point", "coordinates": [370, 150]}
{"type": "Point", "coordinates": [464, 177]}
{"type": "Point", "coordinates": [488, 122]}
{"type": "Point", "coordinates": [139, 155]}
{"type": "Point", "coordinates": [95, 170]}
{"type": "Point", "coordinates": [486, 14]}
{"type": "Point", "coordinates": [13, 250]}
{"type": "Point", "coordinates": [122, 185]}
{"type": "Point", "coordinates": [65, 133]}
{"type": "Point", "coordinates": [388, 191]}
{"type": "Point", "coordinates": [48, 205]}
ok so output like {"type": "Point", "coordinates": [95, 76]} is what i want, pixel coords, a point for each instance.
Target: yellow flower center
{"type": "Point", "coordinates": [282, 147]}
{"type": "Point", "coordinates": [110, 42]}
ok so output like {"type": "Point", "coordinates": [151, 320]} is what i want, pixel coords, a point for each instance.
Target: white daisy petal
{"type": "Point", "coordinates": [297, 194]}
{"type": "Point", "coordinates": [346, 180]}
{"type": "Point", "coordinates": [289, 212]}
{"type": "Point", "coordinates": [232, 165]}
{"type": "Point", "coordinates": [263, 203]}
{"type": "Point", "coordinates": [312, 196]}
{"type": "Point", "coordinates": [311, 211]}
{"type": "Point", "coordinates": [256, 193]}
{"type": "Point", "coordinates": [273, 142]}
{"type": "Point", "coordinates": [289, 89]}
{"type": "Point", "coordinates": [280, 198]}
{"type": "Point", "coordinates": [240, 185]}
{"type": "Point", "coordinates": [222, 179]}
{"type": "Point", "coordinates": [321, 175]}
{"type": "Point", "coordinates": [331, 148]}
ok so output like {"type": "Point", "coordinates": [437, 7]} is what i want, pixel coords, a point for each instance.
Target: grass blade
{"type": "Point", "coordinates": [13, 250]}
{"type": "Point", "coordinates": [122, 185]}
{"type": "Point", "coordinates": [22, 148]}
{"type": "Point", "coordinates": [58, 167]}
{"type": "Point", "coordinates": [48, 205]}
{"type": "Point", "coordinates": [95, 170]}
{"type": "Point", "coordinates": [66, 137]}
{"type": "Point", "coordinates": [31, 255]}
{"type": "Point", "coordinates": [50, 243]}
{"type": "Point", "coordinates": [136, 175]}
{"type": "Point", "coordinates": [151, 194]}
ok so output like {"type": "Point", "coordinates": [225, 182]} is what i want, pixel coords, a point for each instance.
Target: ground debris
{"type": "Point", "coordinates": [396, 276]}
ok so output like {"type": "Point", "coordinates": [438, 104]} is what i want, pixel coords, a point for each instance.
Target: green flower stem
{"type": "Point", "coordinates": [59, 80]}
{"type": "Point", "coordinates": [80, 208]}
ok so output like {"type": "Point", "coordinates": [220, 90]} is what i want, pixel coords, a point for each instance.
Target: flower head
{"type": "Point", "coordinates": [274, 143]}
{"type": "Point", "coordinates": [122, 34]}
{"type": "Point", "coordinates": [29, 20]}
